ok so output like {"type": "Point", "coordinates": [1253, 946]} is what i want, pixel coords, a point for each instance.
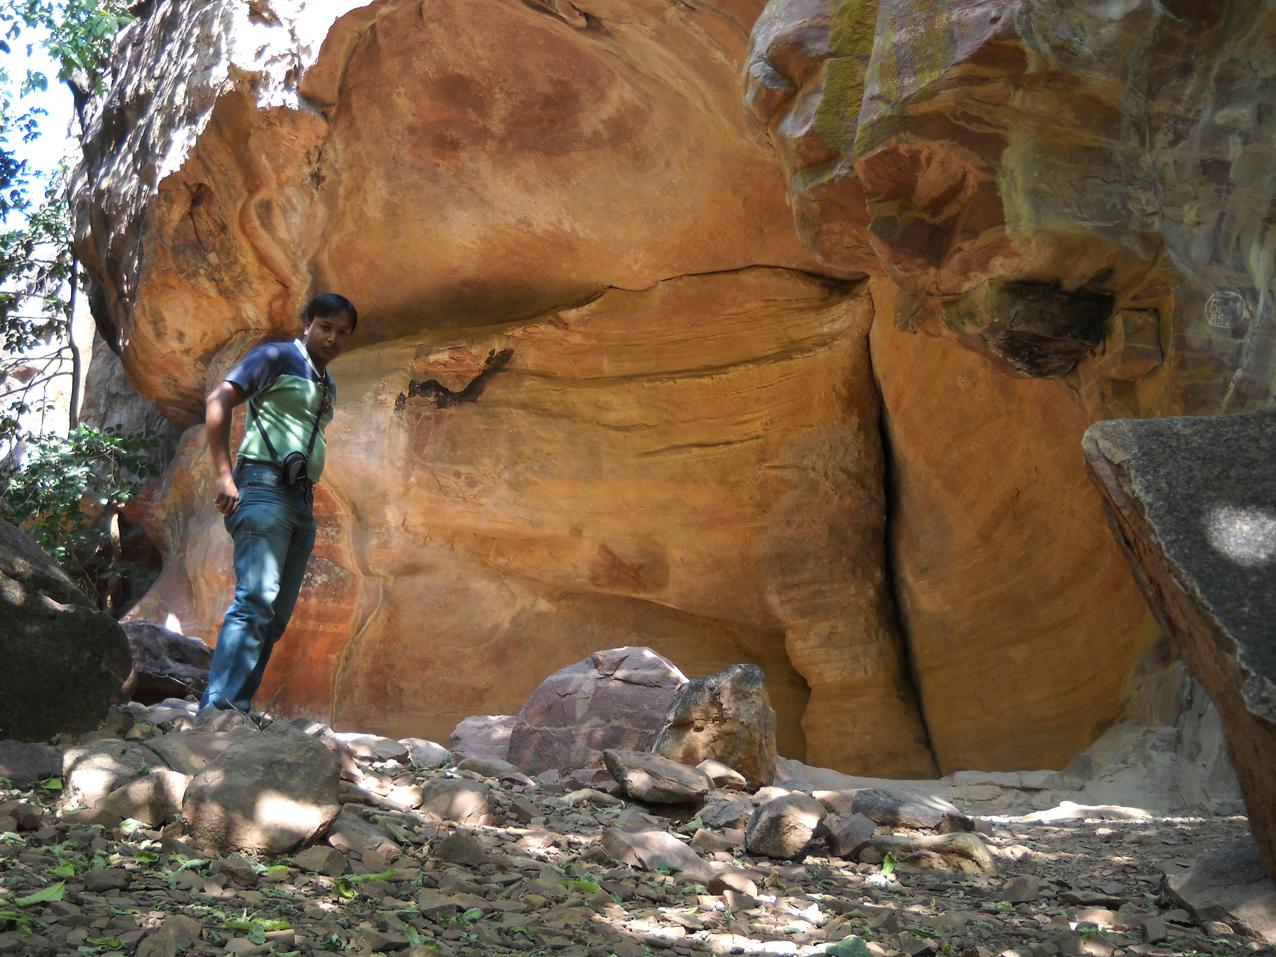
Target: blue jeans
{"type": "Point", "coordinates": [274, 532]}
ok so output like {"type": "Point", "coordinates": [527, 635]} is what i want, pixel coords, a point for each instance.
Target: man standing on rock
{"type": "Point", "coordinates": [268, 497]}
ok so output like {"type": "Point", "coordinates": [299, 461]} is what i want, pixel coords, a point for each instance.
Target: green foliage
{"type": "Point", "coordinates": [37, 288]}
{"type": "Point", "coordinates": [849, 947]}
{"type": "Point", "coordinates": [68, 488]}
{"type": "Point", "coordinates": [45, 895]}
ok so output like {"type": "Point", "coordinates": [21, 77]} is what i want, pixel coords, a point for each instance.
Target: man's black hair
{"type": "Point", "coordinates": [330, 304]}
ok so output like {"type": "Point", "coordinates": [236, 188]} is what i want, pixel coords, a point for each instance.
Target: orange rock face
{"type": "Point", "coordinates": [1003, 563]}
{"type": "Point", "coordinates": [697, 464]}
{"type": "Point", "coordinates": [684, 450]}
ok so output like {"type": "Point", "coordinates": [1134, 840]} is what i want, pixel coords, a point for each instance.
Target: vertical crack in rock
{"type": "Point", "coordinates": [889, 582]}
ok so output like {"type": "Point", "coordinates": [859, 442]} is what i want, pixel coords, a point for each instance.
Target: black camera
{"type": "Point", "coordinates": [295, 468]}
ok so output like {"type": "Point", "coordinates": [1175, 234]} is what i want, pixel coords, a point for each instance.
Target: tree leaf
{"type": "Point", "coordinates": [45, 895]}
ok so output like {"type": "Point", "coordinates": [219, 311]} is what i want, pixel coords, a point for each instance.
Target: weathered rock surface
{"type": "Point", "coordinates": [654, 850]}
{"type": "Point", "coordinates": [1228, 885]}
{"type": "Point", "coordinates": [725, 717]}
{"type": "Point", "coordinates": [612, 699]}
{"type": "Point", "coordinates": [248, 178]}
{"type": "Point", "coordinates": [978, 483]}
{"type": "Point", "coordinates": [897, 808]}
{"type": "Point", "coordinates": [1193, 502]}
{"type": "Point", "coordinates": [92, 771]}
{"type": "Point", "coordinates": [782, 828]}
{"type": "Point", "coordinates": [794, 581]}
{"type": "Point", "coordinates": [154, 798]}
{"type": "Point", "coordinates": [1084, 186]}
{"type": "Point", "coordinates": [992, 156]}
{"type": "Point", "coordinates": [268, 793]}
{"type": "Point", "coordinates": [26, 763]}
{"type": "Point", "coordinates": [656, 780]}
{"type": "Point", "coordinates": [483, 736]}
{"type": "Point", "coordinates": [53, 638]}
{"type": "Point", "coordinates": [165, 663]}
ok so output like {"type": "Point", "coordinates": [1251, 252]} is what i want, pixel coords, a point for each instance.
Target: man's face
{"type": "Point", "coordinates": [327, 336]}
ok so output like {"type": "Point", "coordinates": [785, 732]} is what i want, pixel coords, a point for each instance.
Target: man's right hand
{"type": "Point", "coordinates": [227, 497]}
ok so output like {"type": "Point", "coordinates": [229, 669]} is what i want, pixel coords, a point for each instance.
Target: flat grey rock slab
{"type": "Point", "coordinates": [1230, 886]}
{"type": "Point", "coordinates": [1192, 502]}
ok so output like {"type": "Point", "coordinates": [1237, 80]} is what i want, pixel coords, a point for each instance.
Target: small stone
{"type": "Point", "coordinates": [373, 747]}
{"type": "Point", "coordinates": [783, 828]}
{"type": "Point", "coordinates": [654, 850]}
{"type": "Point", "coordinates": [849, 834]}
{"type": "Point", "coordinates": [731, 813]}
{"type": "Point", "coordinates": [461, 847]}
{"type": "Point", "coordinates": [175, 936]}
{"type": "Point", "coordinates": [457, 799]}
{"type": "Point", "coordinates": [493, 768]}
{"type": "Point", "coordinates": [734, 880]}
{"type": "Point", "coordinates": [711, 841]}
{"type": "Point", "coordinates": [1153, 930]}
{"type": "Point", "coordinates": [106, 879]}
{"type": "Point", "coordinates": [1022, 889]}
{"type": "Point", "coordinates": [405, 797]}
{"type": "Point", "coordinates": [591, 796]}
{"type": "Point", "coordinates": [322, 860]}
{"type": "Point", "coordinates": [656, 780]}
{"type": "Point", "coordinates": [238, 870]}
{"type": "Point", "coordinates": [426, 755]}
{"type": "Point", "coordinates": [436, 906]}
{"type": "Point", "coordinates": [722, 775]}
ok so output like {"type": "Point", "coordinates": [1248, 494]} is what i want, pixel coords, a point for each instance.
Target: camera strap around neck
{"type": "Point", "coordinates": [314, 427]}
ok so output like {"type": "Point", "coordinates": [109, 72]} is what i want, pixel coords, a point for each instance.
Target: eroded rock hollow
{"type": "Point", "coordinates": [641, 365]}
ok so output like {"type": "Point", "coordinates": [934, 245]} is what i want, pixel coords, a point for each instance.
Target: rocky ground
{"type": "Point", "coordinates": [480, 859]}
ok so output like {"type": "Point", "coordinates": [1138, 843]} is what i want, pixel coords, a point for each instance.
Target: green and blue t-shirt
{"type": "Point", "coordinates": [285, 391]}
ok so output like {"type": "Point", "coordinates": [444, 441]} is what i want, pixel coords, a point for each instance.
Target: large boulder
{"type": "Point", "coordinates": [725, 717]}
{"type": "Point", "coordinates": [54, 639]}
{"type": "Point", "coordinates": [166, 663]}
{"type": "Point", "coordinates": [612, 699]}
{"type": "Point", "coordinates": [268, 793]}
{"type": "Point", "coordinates": [1193, 503]}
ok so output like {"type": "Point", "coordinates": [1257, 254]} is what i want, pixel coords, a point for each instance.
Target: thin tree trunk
{"type": "Point", "coordinates": [73, 413]}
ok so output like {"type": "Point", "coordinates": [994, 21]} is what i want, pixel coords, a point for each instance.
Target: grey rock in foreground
{"type": "Point", "coordinates": [725, 717]}
{"type": "Point", "coordinates": [26, 763]}
{"type": "Point", "coordinates": [53, 639]}
{"type": "Point", "coordinates": [269, 793]}
{"type": "Point", "coordinates": [1230, 886]}
{"type": "Point", "coordinates": [616, 698]}
{"type": "Point", "coordinates": [782, 828]}
{"type": "Point", "coordinates": [1192, 502]}
{"type": "Point", "coordinates": [657, 780]}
